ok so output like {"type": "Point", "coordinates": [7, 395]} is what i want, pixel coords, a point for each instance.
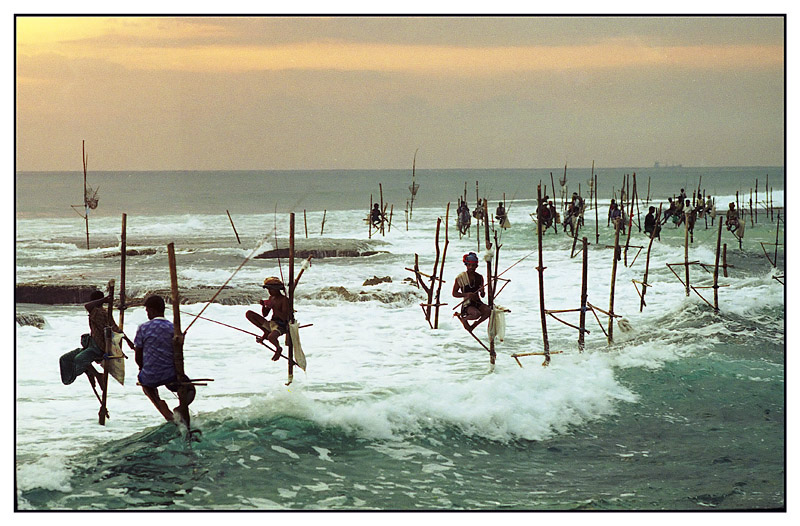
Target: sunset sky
{"type": "Point", "coordinates": [201, 93]}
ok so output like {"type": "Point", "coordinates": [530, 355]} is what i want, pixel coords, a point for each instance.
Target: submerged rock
{"type": "Point", "coordinates": [375, 280]}
{"type": "Point", "coordinates": [325, 248]}
{"type": "Point", "coordinates": [132, 252]}
{"type": "Point", "coordinates": [30, 319]}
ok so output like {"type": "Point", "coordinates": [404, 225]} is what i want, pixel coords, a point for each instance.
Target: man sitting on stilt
{"type": "Point", "coordinates": [469, 285]}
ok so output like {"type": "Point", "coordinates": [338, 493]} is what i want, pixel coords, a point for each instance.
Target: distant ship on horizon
{"type": "Point", "coordinates": [667, 165]}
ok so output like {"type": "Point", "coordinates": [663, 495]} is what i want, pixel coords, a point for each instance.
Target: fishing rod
{"type": "Point", "coordinates": [496, 277]}
{"type": "Point", "coordinates": [258, 247]}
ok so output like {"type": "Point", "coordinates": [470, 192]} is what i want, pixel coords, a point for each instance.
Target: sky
{"type": "Point", "coordinates": [350, 92]}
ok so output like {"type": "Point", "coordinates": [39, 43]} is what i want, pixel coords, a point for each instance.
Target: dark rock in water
{"type": "Point", "coordinates": [44, 294]}
{"type": "Point", "coordinates": [30, 319]}
{"type": "Point", "coordinates": [325, 248]}
{"type": "Point", "coordinates": [404, 297]}
{"type": "Point", "coordinates": [52, 294]}
{"type": "Point", "coordinates": [376, 280]}
{"type": "Point", "coordinates": [133, 252]}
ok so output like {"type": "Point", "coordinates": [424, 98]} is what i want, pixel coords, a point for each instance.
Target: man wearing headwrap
{"type": "Point", "coordinates": [279, 324]}
{"type": "Point", "coordinates": [469, 285]}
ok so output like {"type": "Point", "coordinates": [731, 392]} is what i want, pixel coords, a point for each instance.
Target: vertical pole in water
{"type": "Point", "coordinates": [596, 213]}
{"type": "Point", "coordinates": [369, 216]}
{"type": "Point", "coordinates": [777, 229]}
{"type": "Point", "coordinates": [489, 284]}
{"type": "Point", "coordinates": [540, 268]}
{"type": "Point", "coordinates": [756, 199]}
{"type": "Point", "coordinates": [686, 250]}
{"type": "Point", "coordinates": [725, 259]}
{"type": "Point", "coordinates": [585, 272]}
{"type": "Point", "coordinates": [406, 215]}
{"type": "Point", "coordinates": [478, 223]}
{"type": "Point", "coordinates": [636, 200]}
{"type": "Point", "coordinates": [751, 207]}
{"type": "Point", "coordinates": [290, 345]}
{"type": "Point", "coordinates": [177, 340]}
{"type": "Point", "coordinates": [325, 213]}
{"type": "Point", "coordinates": [771, 205]}
{"type": "Point", "coordinates": [305, 221]}
{"type": "Point", "coordinates": [106, 362]}
{"type": "Point", "coordinates": [716, 269]}
{"type": "Point", "coordinates": [123, 250]}
{"type": "Point", "coordinates": [85, 202]}
{"type": "Point", "coordinates": [656, 228]}
{"type": "Point", "coordinates": [648, 191]}
{"type": "Point", "coordinates": [617, 223]}
{"type": "Point", "coordinates": [441, 269]}
{"type": "Point", "coordinates": [380, 187]}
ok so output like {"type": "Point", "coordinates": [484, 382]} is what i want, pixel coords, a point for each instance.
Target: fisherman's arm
{"type": "Point", "coordinates": [96, 303]}
{"type": "Point", "coordinates": [138, 352]}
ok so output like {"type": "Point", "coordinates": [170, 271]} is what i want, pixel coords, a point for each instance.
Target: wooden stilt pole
{"type": "Point", "coordinates": [541, 268]}
{"type": "Point", "coordinates": [123, 254]}
{"type": "Point", "coordinates": [636, 200]}
{"type": "Point", "coordinates": [610, 332]}
{"type": "Point", "coordinates": [441, 269]}
{"type": "Point", "coordinates": [305, 221]}
{"type": "Point", "coordinates": [178, 336]}
{"type": "Point", "coordinates": [596, 213]}
{"type": "Point", "coordinates": [653, 235]}
{"type": "Point", "coordinates": [648, 192]}
{"type": "Point", "coordinates": [324, 213]}
{"type": "Point", "coordinates": [380, 187]}
{"type": "Point", "coordinates": [756, 199]}
{"type": "Point", "coordinates": [369, 216]}
{"type": "Point", "coordinates": [85, 202]}
{"type": "Point", "coordinates": [777, 230]}
{"type": "Point", "coordinates": [478, 222]}
{"type": "Point", "coordinates": [686, 250]}
{"type": "Point", "coordinates": [391, 212]}
{"type": "Point", "coordinates": [237, 233]}
{"type": "Point", "coordinates": [716, 268]}
{"type": "Point", "coordinates": [771, 205]}
{"type": "Point", "coordinates": [584, 298]}
{"type": "Point", "coordinates": [290, 344]}
{"type": "Point", "coordinates": [489, 277]}
{"type": "Point", "coordinates": [751, 208]}
{"type": "Point", "coordinates": [107, 334]}
{"type": "Point", "coordinates": [725, 260]}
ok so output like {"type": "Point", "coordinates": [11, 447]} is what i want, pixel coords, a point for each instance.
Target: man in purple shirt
{"type": "Point", "coordinates": [154, 355]}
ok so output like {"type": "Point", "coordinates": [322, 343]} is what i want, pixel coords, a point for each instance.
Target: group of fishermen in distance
{"type": "Point", "coordinates": [469, 285]}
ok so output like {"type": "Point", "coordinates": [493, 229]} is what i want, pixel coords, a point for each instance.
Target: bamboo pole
{"type": "Point", "coordinates": [478, 222]}
{"type": "Point", "coordinates": [756, 199]}
{"type": "Point", "coordinates": [237, 233]}
{"type": "Point", "coordinates": [325, 213]}
{"type": "Point", "coordinates": [541, 268]}
{"type": "Point", "coordinates": [584, 285]}
{"type": "Point", "coordinates": [716, 268]}
{"type": "Point", "coordinates": [305, 221]}
{"type": "Point", "coordinates": [648, 191]}
{"type": "Point", "coordinates": [771, 205]}
{"type": "Point", "coordinates": [636, 200]}
{"type": "Point", "coordinates": [406, 215]}
{"type": "Point", "coordinates": [441, 269]}
{"type": "Point", "coordinates": [610, 332]}
{"type": "Point", "coordinates": [369, 216]}
{"type": "Point", "coordinates": [177, 341]}
{"type": "Point", "coordinates": [391, 211]}
{"type": "Point", "coordinates": [290, 345]}
{"type": "Point", "coordinates": [106, 363]}
{"type": "Point", "coordinates": [751, 207]}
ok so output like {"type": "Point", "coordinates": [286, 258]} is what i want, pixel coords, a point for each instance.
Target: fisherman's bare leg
{"type": "Point", "coordinates": [485, 311]}
{"type": "Point", "coordinates": [93, 375]}
{"type": "Point", "coordinates": [273, 339]}
{"type": "Point", "coordinates": [186, 394]}
{"type": "Point", "coordinates": [161, 405]}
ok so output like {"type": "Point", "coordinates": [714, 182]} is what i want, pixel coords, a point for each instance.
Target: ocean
{"type": "Point", "coordinates": [685, 410]}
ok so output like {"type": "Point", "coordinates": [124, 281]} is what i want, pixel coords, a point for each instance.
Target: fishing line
{"type": "Point", "coordinates": [258, 247]}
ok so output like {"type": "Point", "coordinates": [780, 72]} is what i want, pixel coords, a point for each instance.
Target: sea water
{"type": "Point", "coordinates": [684, 411]}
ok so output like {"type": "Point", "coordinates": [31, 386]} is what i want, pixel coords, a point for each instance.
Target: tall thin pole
{"type": "Point", "coordinates": [540, 268]}
{"type": "Point", "coordinates": [617, 223]}
{"type": "Point", "coordinates": [584, 299]}
{"type": "Point", "coordinates": [716, 268]}
{"type": "Point", "coordinates": [686, 250]}
{"type": "Point", "coordinates": [596, 213]}
{"type": "Point", "coordinates": [647, 261]}
{"type": "Point", "coordinates": [441, 269]}
{"type": "Point", "coordinates": [106, 362]}
{"type": "Point", "coordinates": [123, 252]}
{"type": "Point", "coordinates": [85, 202]}
{"type": "Point", "coordinates": [177, 341]}
{"type": "Point", "coordinates": [489, 279]}
{"type": "Point", "coordinates": [777, 229]}
{"type": "Point", "coordinates": [290, 351]}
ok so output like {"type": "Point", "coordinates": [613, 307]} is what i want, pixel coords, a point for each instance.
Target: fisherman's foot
{"type": "Point", "coordinates": [277, 355]}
